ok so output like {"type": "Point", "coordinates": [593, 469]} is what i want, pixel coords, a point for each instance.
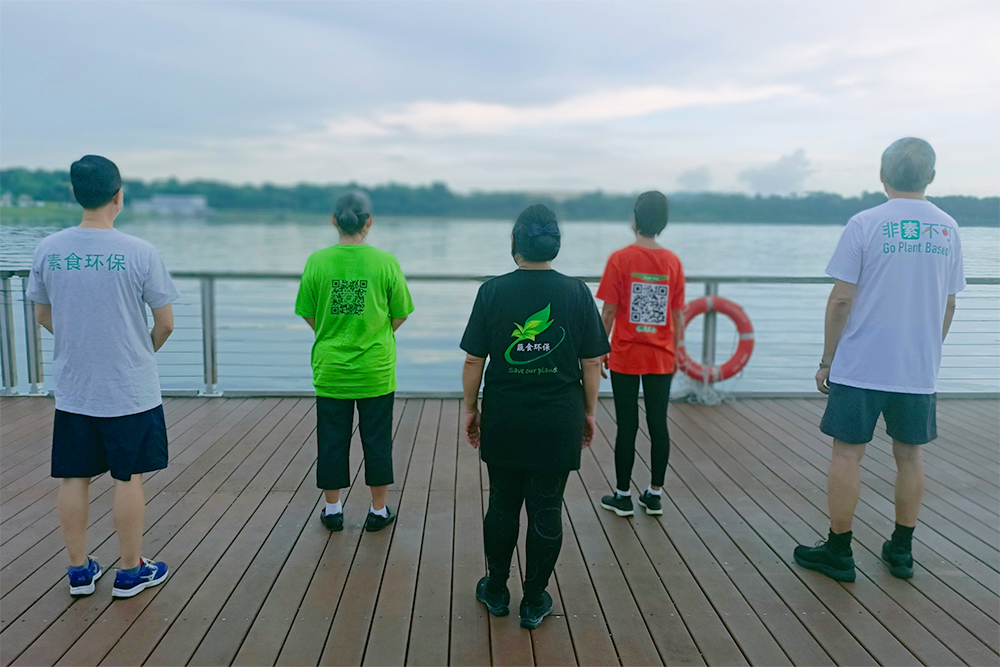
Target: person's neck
{"type": "Point", "coordinates": [98, 219]}
{"type": "Point", "coordinates": [534, 266]}
{"type": "Point", "coordinates": [896, 194]}
{"type": "Point", "coordinates": [353, 240]}
{"type": "Point", "coordinates": [647, 242]}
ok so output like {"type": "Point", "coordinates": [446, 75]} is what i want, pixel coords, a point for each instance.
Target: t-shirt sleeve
{"type": "Point", "coordinates": [956, 281]}
{"type": "Point", "coordinates": [158, 288]}
{"type": "Point", "coordinates": [609, 291]}
{"type": "Point", "coordinates": [476, 340]}
{"type": "Point", "coordinates": [305, 302]}
{"type": "Point", "coordinates": [846, 261]}
{"type": "Point", "coordinates": [36, 282]}
{"type": "Point", "coordinates": [400, 302]}
{"type": "Point", "coordinates": [594, 340]}
{"type": "Point", "coordinates": [677, 296]}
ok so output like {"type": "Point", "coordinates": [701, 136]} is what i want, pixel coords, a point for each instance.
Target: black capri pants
{"type": "Point", "coordinates": [656, 391]}
{"type": "Point", "coordinates": [334, 426]}
{"type": "Point", "coordinates": [542, 495]}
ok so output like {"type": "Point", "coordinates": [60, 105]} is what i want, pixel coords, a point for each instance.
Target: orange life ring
{"type": "Point", "coordinates": [739, 359]}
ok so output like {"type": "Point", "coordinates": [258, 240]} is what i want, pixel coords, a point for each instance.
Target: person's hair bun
{"type": "Point", "coordinates": [352, 212]}
{"type": "Point", "coordinates": [536, 234]}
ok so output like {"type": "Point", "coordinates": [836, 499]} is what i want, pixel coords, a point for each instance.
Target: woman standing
{"type": "Point", "coordinates": [643, 293]}
{"type": "Point", "coordinates": [354, 297]}
{"type": "Point", "coordinates": [545, 341]}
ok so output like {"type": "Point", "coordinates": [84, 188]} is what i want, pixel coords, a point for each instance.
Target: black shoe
{"type": "Point", "coordinates": [375, 522]}
{"type": "Point", "coordinates": [497, 603]}
{"type": "Point", "coordinates": [333, 522]}
{"type": "Point", "coordinates": [821, 559]}
{"type": "Point", "coordinates": [620, 505]}
{"type": "Point", "coordinates": [532, 614]}
{"type": "Point", "coordinates": [652, 502]}
{"type": "Point", "coordinates": [900, 561]}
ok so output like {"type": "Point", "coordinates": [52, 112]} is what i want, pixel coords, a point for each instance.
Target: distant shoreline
{"type": "Point", "coordinates": [60, 214]}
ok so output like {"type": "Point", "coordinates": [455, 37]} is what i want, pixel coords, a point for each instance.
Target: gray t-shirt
{"type": "Point", "coordinates": [99, 282]}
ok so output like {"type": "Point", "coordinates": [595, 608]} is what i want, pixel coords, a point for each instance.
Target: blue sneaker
{"type": "Point", "coordinates": [81, 582]}
{"type": "Point", "coordinates": [150, 574]}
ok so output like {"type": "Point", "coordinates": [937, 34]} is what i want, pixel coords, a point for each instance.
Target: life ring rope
{"type": "Point", "coordinates": [744, 348]}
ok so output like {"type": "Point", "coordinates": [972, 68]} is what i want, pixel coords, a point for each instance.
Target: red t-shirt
{"type": "Point", "coordinates": [647, 285]}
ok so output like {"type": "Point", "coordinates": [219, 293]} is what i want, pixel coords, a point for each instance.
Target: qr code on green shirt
{"type": "Point", "coordinates": [348, 297]}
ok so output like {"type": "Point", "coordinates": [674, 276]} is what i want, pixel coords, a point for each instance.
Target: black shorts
{"type": "Point", "coordinates": [84, 446]}
{"type": "Point", "coordinates": [851, 414]}
{"type": "Point", "coordinates": [334, 426]}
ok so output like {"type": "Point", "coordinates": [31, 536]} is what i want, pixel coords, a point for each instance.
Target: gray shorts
{"type": "Point", "coordinates": [851, 414]}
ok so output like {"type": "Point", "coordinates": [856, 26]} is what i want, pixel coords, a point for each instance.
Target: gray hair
{"type": "Point", "coordinates": [908, 165]}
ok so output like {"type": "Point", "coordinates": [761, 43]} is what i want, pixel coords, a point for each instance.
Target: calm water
{"type": "Point", "coordinates": [262, 344]}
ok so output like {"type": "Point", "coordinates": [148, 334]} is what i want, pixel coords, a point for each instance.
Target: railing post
{"type": "Point", "coordinates": [708, 336]}
{"type": "Point", "coordinates": [32, 342]}
{"type": "Point", "coordinates": [8, 354]}
{"type": "Point", "coordinates": [208, 337]}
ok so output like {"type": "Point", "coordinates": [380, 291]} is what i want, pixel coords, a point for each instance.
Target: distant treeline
{"type": "Point", "coordinates": [438, 200]}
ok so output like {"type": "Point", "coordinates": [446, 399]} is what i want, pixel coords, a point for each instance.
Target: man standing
{"type": "Point", "coordinates": [91, 285]}
{"type": "Point", "coordinates": [897, 269]}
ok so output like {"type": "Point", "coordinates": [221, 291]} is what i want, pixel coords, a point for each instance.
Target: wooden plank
{"type": "Point", "coordinates": [390, 628]}
{"type": "Point", "coordinates": [769, 506]}
{"type": "Point", "coordinates": [625, 620]}
{"type": "Point", "coordinates": [470, 627]}
{"type": "Point", "coordinates": [769, 543]}
{"type": "Point", "coordinates": [429, 628]}
{"type": "Point", "coordinates": [69, 630]}
{"type": "Point", "coordinates": [352, 621]}
{"type": "Point", "coordinates": [789, 466]}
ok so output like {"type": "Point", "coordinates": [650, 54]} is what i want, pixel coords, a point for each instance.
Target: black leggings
{"type": "Point", "coordinates": [542, 494]}
{"type": "Point", "coordinates": [656, 390]}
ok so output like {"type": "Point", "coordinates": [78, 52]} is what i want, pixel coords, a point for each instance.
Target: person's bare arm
{"type": "Point", "coordinates": [608, 312]}
{"type": "Point", "coordinates": [949, 313]}
{"type": "Point", "coordinates": [472, 378]}
{"type": "Point", "coordinates": [678, 316]}
{"type": "Point", "coordinates": [43, 315]}
{"type": "Point", "coordinates": [163, 325]}
{"type": "Point", "coordinates": [838, 309]}
{"type": "Point", "coordinates": [591, 385]}
{"type": "Point", "coordinates": [397, 322]}
{"type": "Point", "coordinates": [311, 321]}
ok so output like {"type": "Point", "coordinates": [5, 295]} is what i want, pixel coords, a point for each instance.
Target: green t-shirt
{"type": "Point", "coordinates": [353, 291]}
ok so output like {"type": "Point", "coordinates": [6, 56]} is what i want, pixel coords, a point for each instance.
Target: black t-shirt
{"type": "Point", "coordinates": [534, 326]}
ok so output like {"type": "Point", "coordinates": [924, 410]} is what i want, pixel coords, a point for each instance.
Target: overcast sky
{"type": "Point", "coordinates": [770, 97]}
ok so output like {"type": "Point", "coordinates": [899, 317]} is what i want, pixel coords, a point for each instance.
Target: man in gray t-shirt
{"type": "Point", "coordinates": [91, 285]}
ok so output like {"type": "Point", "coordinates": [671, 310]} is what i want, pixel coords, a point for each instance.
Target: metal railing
{"type": "Point", "coordinates": [207, 329]}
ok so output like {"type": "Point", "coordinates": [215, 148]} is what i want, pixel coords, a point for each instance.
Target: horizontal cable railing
{"type": "Point", "coordinates": [237, 332]}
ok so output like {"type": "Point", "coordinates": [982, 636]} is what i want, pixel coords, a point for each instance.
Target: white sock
{"type": "Point", "coordinates": [625, 494]}
{"type": "Point", "coordinates": [651, 490]}
{"type": "Point", "coordinates": [384, 512]}
{"type": "Point", "coordinates": [334, 508]}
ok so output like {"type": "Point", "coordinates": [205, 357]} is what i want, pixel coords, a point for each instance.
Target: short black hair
{"type": "Point", "coordinates": [650, 213]}
{"type": "Point", "coordinates": [536, 234]}
{"type": "Point", "coordinates": [352, 211]}
{"type": "Point", "coordinates": [95, 180]}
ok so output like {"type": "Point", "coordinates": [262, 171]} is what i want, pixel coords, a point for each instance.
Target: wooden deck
{"type": "Point", "coordinates": [256, 580]}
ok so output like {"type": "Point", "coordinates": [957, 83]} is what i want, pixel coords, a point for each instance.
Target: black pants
{"type": "Point", "coordinates": [656, 390]}
{"type": "Point", "coordinates": [542, 494]}
{"type": "Point", "coordinates": [334, 426]}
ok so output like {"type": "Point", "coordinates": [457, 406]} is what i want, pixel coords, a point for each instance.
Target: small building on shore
{"type": "Point", "coordinates": [189, 205]}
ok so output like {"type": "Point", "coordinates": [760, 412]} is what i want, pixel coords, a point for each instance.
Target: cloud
{"type": "Point", "coordinates": [695, 180]}
{"type": "Point", "coordinates": [466, 117]}
{"type": "Point", "coordinates": [782, 177]}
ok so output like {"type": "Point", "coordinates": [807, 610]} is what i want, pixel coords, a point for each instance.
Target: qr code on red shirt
{"type": "Point", "coordinates": [649, 304]}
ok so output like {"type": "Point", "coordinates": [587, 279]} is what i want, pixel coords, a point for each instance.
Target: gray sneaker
{"type": "Point", "coordinates": [620, 505]}
{"type": "Point", "coordinates": [652, 502]}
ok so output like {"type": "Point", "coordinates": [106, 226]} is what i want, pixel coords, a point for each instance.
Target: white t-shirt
{"type": "Point", "coordinates": [904, 258]}
{"type": "Point", "coordinates": [98, 282]}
